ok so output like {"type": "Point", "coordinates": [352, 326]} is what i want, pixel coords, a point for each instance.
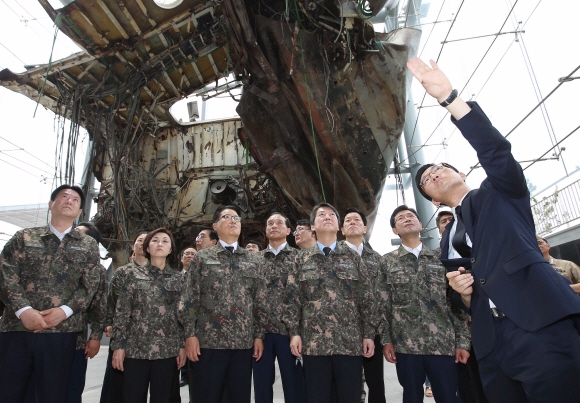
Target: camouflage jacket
{"type": "Point", "coordinates": [224, 298]}
{"type": "Point", "coordinates": [39, 270]}
{"type": "Point", "coordinates": [116, 287]}
{"type": "Point", "coordinates": [417, 314]}
{"type": "Point", "coordinates": [276, 268]}
{"type": "Point", "coordinates": [96, 313]}
{"type": "Point", "coordinates": [329, 302]}
{"type": "Point", "coordinates": [145, 323]}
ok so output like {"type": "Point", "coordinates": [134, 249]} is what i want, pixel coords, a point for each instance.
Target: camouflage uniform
{"type": "Point", "coordinates": [418, 317]}
{"type": "Point", "coordinates": [330, 302]}
{"type": "Point", "coordinates": [276, 268]}
{"type": "Point", "coordinates": [116, 287]}
{"type": "Point", "coordinates": [145, 323]}
{"type": "Point", "coordinates": [96, 313]}
{"type": "Point", "coordinates": [224, 296]}
{"type": "Point", "coordinates": [373, 366]}
{"type": "Point", "coordinates": [39, 270]}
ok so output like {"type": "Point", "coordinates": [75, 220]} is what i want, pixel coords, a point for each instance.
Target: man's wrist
{"type": "Point", "coordinates": [449, 99]}
{"type": "Point", "coordinates": [67, 311]}
{"type": "Point", "coordinates": [19, 312]}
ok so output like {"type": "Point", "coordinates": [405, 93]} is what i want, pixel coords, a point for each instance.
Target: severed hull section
{"type": "Point", "coordinates": [320, 115]}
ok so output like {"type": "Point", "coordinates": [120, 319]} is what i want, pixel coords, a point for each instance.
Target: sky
{"type": "Point", "coordinates": [507, 74]}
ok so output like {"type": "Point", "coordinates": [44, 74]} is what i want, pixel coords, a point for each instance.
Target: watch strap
{"type": "Point", "coordinates": [449, 99]}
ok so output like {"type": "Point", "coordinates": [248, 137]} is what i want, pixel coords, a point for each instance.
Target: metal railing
{"type": "Point", "coordinates": [557, 209]}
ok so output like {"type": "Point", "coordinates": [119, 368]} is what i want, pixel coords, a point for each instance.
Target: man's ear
{"type": "Point", "coordinates": [287, 231]}
{"type": "Point", "coordinates": [421, 225]}
{"type": "Point", "coordinates": [435, 203]}
{"type": "Point", "coordinates": [395, 231]}
{"type": "Point", "coordinates": [365, 230]}
{"type": "Point", "coordinates": [463, 176]}
{"type": "Point", "coordinates": [342, 230]}
{"type": "Point", "coordinates": [214, 226]}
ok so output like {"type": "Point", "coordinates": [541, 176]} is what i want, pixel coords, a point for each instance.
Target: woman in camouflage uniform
{"type": "Point", "coordinates": [148, 340]}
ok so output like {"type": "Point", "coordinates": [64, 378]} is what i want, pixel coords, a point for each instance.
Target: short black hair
{"type": "Point", "coordinates": [420, 174]}
{"type": "Point", "coordinates": [150, 236]}
{"type": "Point", "coordinates": [137, 236]}
{"type": "Point", "coordinates": [303, 223]}
{"type": "Point", "coordinates": [286, 220]}
{"type": "Point", "coordinates": [255, 243]}
{"type": "Point", "coordinates": [92, 231]}
{"type": "Point", "coordinates": [319, 205]}
{"type": "Point", "coordinates": [354, 210]}
{"type": "Point", "coordinates": [402, 208]}
{"type": "Point", "coordinates": [218, 212]}
{"type": "Point", "coordinates": [77, 189]}
{"type": "Point", "coordinates": [441, 214]}
{"type": "Point", "coordinates": [213, 236]}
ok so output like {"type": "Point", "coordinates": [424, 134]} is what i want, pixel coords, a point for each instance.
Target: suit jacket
{"type": "Point", "coordinates": [506, 263]}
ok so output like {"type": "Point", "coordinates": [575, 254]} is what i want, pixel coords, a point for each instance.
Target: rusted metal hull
{"type": "Point", "coordinates": [321, 112]}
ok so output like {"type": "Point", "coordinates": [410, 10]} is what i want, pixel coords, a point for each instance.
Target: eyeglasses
{"type": "Point", "coordinates": [404, 217]}
{"type": "Point", "coordinates": [434, 169]}
{"type": "Point", "coordinates": [299, 230]}
{"type": "Point", "coordinates": [163, 241]}
{"type": "Point", "coordinates": [227, 217]}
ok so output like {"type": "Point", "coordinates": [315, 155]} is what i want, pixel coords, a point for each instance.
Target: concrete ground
{"type": "Point", "coordinates": [96, 370]}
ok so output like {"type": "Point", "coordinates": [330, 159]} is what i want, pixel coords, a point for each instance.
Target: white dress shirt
{"type": "Point", "coordinates": [357, 249]}
{"type": "Point", "coordinates": [414, 251]}
{"type": "Point", "coordinates": [453, 254]}
{"type": "Point", "coordinates": [235, 244]}
{"type": "Point", "coordinates": [276, 251]}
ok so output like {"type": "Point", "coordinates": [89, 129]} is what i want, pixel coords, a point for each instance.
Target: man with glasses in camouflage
{"type": "Point", "coordinates": [225, 290]}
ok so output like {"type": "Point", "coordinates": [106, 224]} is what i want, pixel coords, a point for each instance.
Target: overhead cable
{"type": "Point", "coordinates": [556, 145]}
{"type": "Point", "coordinates": [22, 149]}
{"type": "Point", "coordinates": [468, 80]}
{"type": "Point", "coordinates": [532, 111]}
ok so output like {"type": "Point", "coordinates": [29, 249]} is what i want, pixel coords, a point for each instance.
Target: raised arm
{"type": "Point", "coordinates": [493, 150]}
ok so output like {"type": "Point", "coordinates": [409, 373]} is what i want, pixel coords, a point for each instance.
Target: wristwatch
{"type": "Point", "coordinates": [449, 99]}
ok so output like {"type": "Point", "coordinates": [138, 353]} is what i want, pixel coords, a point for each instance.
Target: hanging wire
{"type": "Point", "coordinates": [311, 119]}
{"type": "Point", "coordinates": [56, 27]}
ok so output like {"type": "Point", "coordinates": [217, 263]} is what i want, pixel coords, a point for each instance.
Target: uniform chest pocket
{"type": "Point", "coordinates": [402, 285]}
{"type": "Point", "coordinates": [171, 289]}
{"type": "Point", "coordinates": [311, 283]}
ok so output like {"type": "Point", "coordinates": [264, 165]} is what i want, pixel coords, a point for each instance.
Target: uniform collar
{"type": "Point", "coordinates": [59, 235]}
{"type": "Point", "coordinates": [223, 244]}
{"type": "Point", "coordinates": [276, 251]}
{"type": "Point", "coordinates": [358, 249]}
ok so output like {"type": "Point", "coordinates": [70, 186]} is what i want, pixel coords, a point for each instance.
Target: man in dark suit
{"type": "Point", "coordinates": [524, 314]}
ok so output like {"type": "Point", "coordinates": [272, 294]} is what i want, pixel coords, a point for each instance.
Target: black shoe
{"type": "Point", "coordinates": [182, 383]}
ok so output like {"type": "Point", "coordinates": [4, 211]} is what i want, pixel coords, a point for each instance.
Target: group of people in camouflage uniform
{"type": "Point", "coordinates": [325, 311]}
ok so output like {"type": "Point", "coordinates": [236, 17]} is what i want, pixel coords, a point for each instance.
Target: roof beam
{"type": "Point", "coordinates": [145, 12]}
{"type": "Point", "coordinates": [113, 19]}
{"type": "Point", "coordinates": [86, 69]}
{"type": "Point", "coordinates": [215, 70]}
{"type": "Point", "coordinates": [129, 17]}
{"type": "Point", "coordinates": [63, 64]}
{"type": "Point", "coordinates": [166, 24]}
{"type": "Point", "coordinates": [170, 82]}
{"type": "Point", "coordinates": [91, 24]}
{"type": "Point", "coordinates": [199, 76]}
